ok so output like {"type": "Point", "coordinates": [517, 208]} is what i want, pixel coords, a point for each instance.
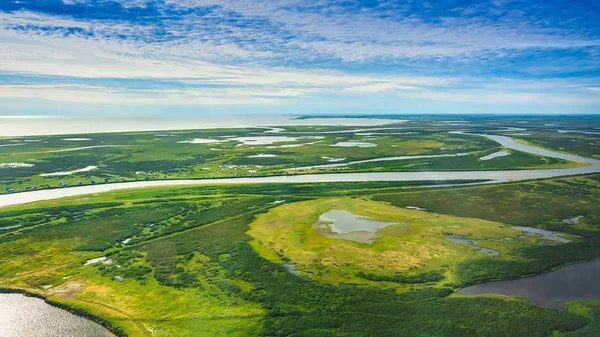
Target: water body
{"type": "Point", "coordinates": [61, 125]}
{"type": "Point", "coordinates": [511, 144]}
{"type": "Point", "coordinates": [265, 140]}
{"type": "Point", "coordinates": [495, 155]}
{"type": "Point", "coordinates": [203, 141]}
{"type": "Point", "coordinates": [102, 259]}
{"type": "Point", "coordinates": [492, 176]}
{"type": "Point", "coordinates": [291, 268]}
{"type": "Point", "coordinates": [58, 174]}
{"type": "Point", "coordinates": [346, 225]}
{"type": "Point", "coordinates": [21, 315]}
{"type": "Point", "coordinates": [376, 160]}
{"type": "Point", "coordinates": [547, 235]}
{"type": "Point", "coordinates": [577, 281]}
{"type": "Point", "coordinates": [354, 144]}
{"type": "Point", "coordinates": [263, 155]}
{"type": "Point", "coordinates": [75, 149]}
{"type": "Point", "coordinates": [472, 244]}
{"type": "Point", "coordinates": [343, 222]}
{"type": "Point", "coordinates": [579, 131]}
{"type": "Point", "coordinates": [353, 130]}
{"type": "Point", "coordinates": [15, 165]}
{"type": "Point", "coordinates": [293, 145]}
{"type": "Point", "coordinates": [573, 221]}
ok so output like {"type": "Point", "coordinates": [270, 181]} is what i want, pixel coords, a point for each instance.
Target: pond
{"type": "Point", "coordinates": [546, 235]}
{"type": "Point", "coordinates": [345, 225]}
{"type": "Point", "coordinates": [495, 155]}
{"type": "Point", "coordinates": [354, 144]}
{"type": "Point", "coordinates": [472, 244]}
{"type": "Point", "coordinates": [573, 282]}
{"type": "Point", "coordinates": [21, 315]}
{"type": "Point", "coordinates": [374, 160]}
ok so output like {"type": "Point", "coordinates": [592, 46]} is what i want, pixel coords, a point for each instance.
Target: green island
{"type": "Point", "coordinates": [365, 258]}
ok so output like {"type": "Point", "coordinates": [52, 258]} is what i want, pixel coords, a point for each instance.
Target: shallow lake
{"type": "Point", "coordinates": [547, 235]}
{"type": "Point", "coordinates": [472, 244]}
{"type": "Point", "coordinates": [48, 125]}
{"type": "Point", "coordinates": [495, 155]}
{"type": "Point", "coordinates": [345, 225]}
{"type": "Point", "coordinates": [577, 281]}
{"type": "Point", "coordinates": [21, 315]}
{"type": "Point", "coordinates": [354, 144]}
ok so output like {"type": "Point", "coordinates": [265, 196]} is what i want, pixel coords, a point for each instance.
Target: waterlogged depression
{"type": "Point", "coordinates": [339, 224]}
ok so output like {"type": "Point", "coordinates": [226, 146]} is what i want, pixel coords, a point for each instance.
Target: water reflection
{"type": "Point", "coordinates": [32, 317]}
{"type": "Point", "coordinates": [577, 281]}
{"type": "Point", "coordinates": [345, 225]}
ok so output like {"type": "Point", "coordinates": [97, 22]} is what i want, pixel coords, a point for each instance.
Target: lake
{"type": "Point", "coordinates": [12, 126]}
{"type": "Point", "coordinates": [21, 315]}
{"type": "Point", "coordinates": [573, 282]}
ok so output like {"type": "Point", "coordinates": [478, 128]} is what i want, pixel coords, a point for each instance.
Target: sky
{"type": "Point", "coordinates": [298, 56]}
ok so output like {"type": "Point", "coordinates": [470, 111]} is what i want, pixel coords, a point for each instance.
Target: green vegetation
{"type": "Point", "coordinates": [543, 204]}
{"type": "Point", "coordinates": [587, 145]}
{"type": "Point", "coordinates": [417, 242]}
{"type": "Point", "coordinates": [190, 269]}
{"type": "Point", "coordinates": [255, 260]}
{"type": "Point", "coordinates": [114, 157]}
{"type": "Point", "coordinates": [588, 309]}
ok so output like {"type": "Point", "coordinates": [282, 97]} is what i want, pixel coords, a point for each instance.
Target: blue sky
{"type": "Point", "coordinates": [297, 56]}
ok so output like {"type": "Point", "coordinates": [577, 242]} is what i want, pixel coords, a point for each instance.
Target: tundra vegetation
{"type": "Point", "coordinates": [205, 260]}
{"type": "Point", "coordinates": [43, 162]}
{"type": "Point", "coordinates": [259, 260]}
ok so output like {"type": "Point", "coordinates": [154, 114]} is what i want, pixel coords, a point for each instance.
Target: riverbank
{"type": "Point", "coordinates": [72, 308]}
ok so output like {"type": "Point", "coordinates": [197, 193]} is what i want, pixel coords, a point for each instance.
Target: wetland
{"type": "Point", "coordinates": [168, 236]}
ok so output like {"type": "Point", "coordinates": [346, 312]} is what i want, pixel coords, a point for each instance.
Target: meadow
{"type": "Point", "coordinates": [198, 260]}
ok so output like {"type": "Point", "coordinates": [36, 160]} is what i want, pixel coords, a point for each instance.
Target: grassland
{"type": "Point", "coordinates": [194, 265]}
{"type": "Point", "coordinates": [415, 245]}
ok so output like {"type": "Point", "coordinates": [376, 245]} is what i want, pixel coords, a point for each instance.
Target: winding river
{"type": "Point", "coordinates": [492, 176]}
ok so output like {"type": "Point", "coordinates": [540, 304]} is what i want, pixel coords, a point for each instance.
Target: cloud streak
{"type": "Point", "coordinates": [222, 52]}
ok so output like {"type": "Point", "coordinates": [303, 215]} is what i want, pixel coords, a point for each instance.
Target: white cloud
{"type": "Point", "coordinates": [257, 96]}
{"type": "Point", "coordinates": [245, 60]}
{"type": "Point", "coordinates": [382, 87]}
{"type": "Point", "coordinates": [364, 35]}
{"type": "Point", "coordinates": [499, 97]}
{"type": "Point", "coordinates": [108, 95]}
